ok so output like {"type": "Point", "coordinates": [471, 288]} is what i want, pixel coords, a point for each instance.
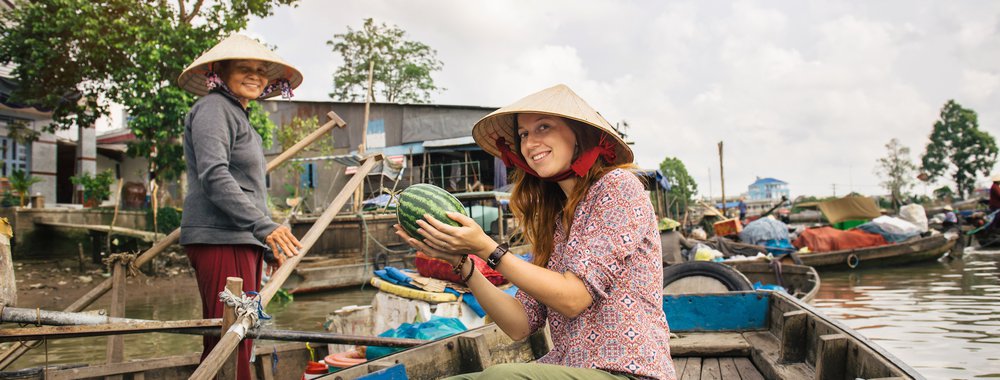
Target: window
{"type": "Point", "coordinates": [376, 134]}
{"type": "Point", "coordinates": [14, 155]}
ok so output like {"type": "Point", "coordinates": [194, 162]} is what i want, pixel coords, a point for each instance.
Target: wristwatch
{"type": "Point", "coordinates": [498, 253]}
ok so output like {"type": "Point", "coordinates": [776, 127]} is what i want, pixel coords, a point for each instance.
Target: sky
{"type": "Point", "coordinates": [805, 92]}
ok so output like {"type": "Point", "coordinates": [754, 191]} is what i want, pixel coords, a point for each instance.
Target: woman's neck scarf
{"type": "Point", "coordinates": [214, 81]}
{"type": "Point", "coordinates": [580, 166]}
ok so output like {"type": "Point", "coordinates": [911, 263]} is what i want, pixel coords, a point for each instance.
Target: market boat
{"type": "Point", "coordinates": [800, 281]}
{"type": "Point", "coordinates": [921, 249]}
{"type": "Point", "coordinates": [736, 335]}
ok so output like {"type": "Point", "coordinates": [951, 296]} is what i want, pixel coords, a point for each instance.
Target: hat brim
{"type": "Point", "coordinates": [237, 47]}
{"type": "Point", "coordinates": [503, 123]}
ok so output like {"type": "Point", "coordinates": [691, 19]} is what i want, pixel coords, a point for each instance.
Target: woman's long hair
{"type": "Point", "coordinates": [537, 203]}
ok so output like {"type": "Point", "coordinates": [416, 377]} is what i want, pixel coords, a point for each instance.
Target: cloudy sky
{"type": "Point", "coordinates": [806, 92]}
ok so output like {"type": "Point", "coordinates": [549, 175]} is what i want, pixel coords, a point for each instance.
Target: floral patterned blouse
{"type": "Point", "coordinates": [614, 247]}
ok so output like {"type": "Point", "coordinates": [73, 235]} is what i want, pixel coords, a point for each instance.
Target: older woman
{"type": "Point", "coordinates": [597, 266]}
{"type": "Point", "coordinates": [226, 226]}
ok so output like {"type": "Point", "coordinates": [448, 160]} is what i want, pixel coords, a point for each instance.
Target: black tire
{"type": "Point", "coordinates": [731, 278]}
{"type": "Point", "coordinates": [380, 261]}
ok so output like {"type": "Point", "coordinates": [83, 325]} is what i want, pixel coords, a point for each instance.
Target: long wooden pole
{"type": "Point", "coordinates": [210, 365]}
{"type": "Point", "coordinates": [8, 357]}
{"type": "Point", "coordinates": [204, 327]}
{"type": "Point", "coordinates": [722, 179]}
{"type": "Point", "coordinates": [360, 193]}
{"type": "Point", "coordinates": [235, 286]}
{"type": "Point", "coordinates": [8, 286]}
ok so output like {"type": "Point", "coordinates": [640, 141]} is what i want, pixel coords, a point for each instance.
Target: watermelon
{"type": "Point", "coordinates": [421, 199]}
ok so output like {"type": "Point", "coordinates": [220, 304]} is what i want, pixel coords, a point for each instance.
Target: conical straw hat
{"type": "Point", "coordinates": [558, 100]}
{"type": "Point", "coordinates": [237, 46]}
{"type": "Point", "coordinates": [995, 178]}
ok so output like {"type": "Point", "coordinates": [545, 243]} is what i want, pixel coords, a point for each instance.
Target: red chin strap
{"type": "Point", "coordinates": [580, 167]}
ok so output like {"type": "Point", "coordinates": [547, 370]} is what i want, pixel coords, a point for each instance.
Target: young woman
{"type": "Point", "coordinates": [597, 269]}
{"type": "Point", "coordinates": [226, 225]}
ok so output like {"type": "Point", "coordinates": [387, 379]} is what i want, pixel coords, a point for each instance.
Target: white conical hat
{"type": "Point", "coordinates": [995, 178]}
{"type": "Point", "coordinates": [237, 46]}
{"type": "Point", "coordinates": [558, 100]}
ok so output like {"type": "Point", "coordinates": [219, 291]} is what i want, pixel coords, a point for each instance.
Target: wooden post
{"type": "Point", "coordinates": [9, 356]}
{"type": "Point", "coordinates": [116, 344]}
{"type": "Point", "coordinates": [114, 218]}
{"type": "Point", "coordinates": [8, 287]}
{"type": "Point", "coordinates": [360, 193]}
{"type": "Point", "coordinates": [235, 286]}
{"type": "Point", "coordinates": [722, 179]}
{"type": "Point", "coordinates": [210, 366]}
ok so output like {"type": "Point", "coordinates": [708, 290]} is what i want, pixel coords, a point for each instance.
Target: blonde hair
{"type": "Point", "coordinates": [537, 203]}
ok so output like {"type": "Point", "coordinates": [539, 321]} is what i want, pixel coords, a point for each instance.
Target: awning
{"type": "Point", "coordinates": [850, 208]}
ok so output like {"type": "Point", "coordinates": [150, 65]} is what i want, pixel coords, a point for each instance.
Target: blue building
{"type": "Point", "coordinates": [767, 189]}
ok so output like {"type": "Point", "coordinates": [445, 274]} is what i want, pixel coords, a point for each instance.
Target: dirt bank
{"type": "Point", "coordinates": [53, 284]}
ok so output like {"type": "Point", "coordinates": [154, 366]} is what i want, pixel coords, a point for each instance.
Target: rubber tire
{"type": "Point", "coordinates": [727, 275]}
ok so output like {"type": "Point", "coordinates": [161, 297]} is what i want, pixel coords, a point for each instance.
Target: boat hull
{"type": "Point", "coordinates": [923, 249]}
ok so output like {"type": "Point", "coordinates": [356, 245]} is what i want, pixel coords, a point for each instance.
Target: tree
{"type": "Point", "coordinates": [682, 186]}
{"type": "Point", "coordinates": [402, 71]}
{"type": "Point", "coordinates": [75, 56]}
{"type": "Point", "coordinates": [896, 171]}
{"type": "Point", "coordinates": [959, 147]}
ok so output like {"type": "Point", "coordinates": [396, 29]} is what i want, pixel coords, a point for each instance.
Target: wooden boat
{"type": "Point", "coordinates": [738, 335]}
{"type": "Point", "coordinates": [916, 250]}
{"type": "Point", "coordinates": [801, 281]}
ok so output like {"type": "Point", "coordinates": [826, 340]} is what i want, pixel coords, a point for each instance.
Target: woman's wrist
{"type": "Point", "coordinates": [487, 248]}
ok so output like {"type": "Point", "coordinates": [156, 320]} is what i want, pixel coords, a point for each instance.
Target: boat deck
{"type": "Point", "coordinates": [724, 368]}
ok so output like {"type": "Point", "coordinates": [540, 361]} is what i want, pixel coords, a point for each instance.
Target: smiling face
{"type": "Point", "coordinates": [246, 79]}
{"type": "Point", "coordinates": [548, 144]}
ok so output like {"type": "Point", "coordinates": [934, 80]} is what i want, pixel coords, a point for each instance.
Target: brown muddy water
{"type": "Point", "coordinates": [942, 318]}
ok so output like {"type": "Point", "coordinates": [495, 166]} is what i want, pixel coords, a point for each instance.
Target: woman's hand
{"type": "Point", "coordinates": [452, 259]}
{"type": "Point", "coordinates": [465, 239]}
{"type": "Point", "coordinates": [282, 238]}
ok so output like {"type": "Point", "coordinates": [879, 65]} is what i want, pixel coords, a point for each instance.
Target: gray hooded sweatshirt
{"type": "Point", "coordinates": [226, 201]}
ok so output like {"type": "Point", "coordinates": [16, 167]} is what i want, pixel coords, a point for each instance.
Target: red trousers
{"type": "Point", "coordinates": [212, 264]}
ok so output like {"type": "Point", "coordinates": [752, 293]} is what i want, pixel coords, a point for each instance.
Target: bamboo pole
{"type": "Point", "coordinates": [360, 193]}
{"type": "Point", "coordinates": [8, 357]}
{"type": "Point", "coordinates": [235, 286]}
{"type": "Point", "coordinates": [114, 217]}
{"type": "Point", "coordinates": [64, 318]}
{"type": "Point", "coordinates": [210, 365]}
{"type": "Point", "coordinates": [204, 327]}
{"type": "Point", "coordinates": [722, 179]}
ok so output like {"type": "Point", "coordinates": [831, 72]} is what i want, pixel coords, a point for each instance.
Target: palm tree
{"type": "Point", "coordinates": [21, 182]}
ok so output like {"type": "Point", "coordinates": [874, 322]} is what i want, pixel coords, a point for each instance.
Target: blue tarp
{"type": "Point", "coordinates": [661, 180]}
{"type": "Point", "coordinates": [378, 202]}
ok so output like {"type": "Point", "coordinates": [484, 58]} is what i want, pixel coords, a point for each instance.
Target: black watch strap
{"type": "Point", "coordinates": [494, 258]}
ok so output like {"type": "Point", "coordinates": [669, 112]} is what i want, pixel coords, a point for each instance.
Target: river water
{"type": "Point", "coordinates": [942, 318]}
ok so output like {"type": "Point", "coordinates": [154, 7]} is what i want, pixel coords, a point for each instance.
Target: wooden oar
{"type": "Point", "coordinates": [9, 356]}
{"type": "Point", "coordinates": [211, 364]}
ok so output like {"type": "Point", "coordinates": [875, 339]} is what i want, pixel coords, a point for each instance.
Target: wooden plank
{"type": "Point", "coordinates": [727, 367]}
{"type": "Point", "coordinates": [735, 311]}
{"type": "Point", "coordinates": [706, 344]}
{"type": "Point", "coordinates": [144, 235]}
{"type": "Point", "coordinates": [692, 371]}
{"type": "Point", "coordinates": [747, 370]}
{"type": "Point", "coordinates": [710, 369]}
{"type": "Point", "coordinates": [765, 356]}
{"type": "Point", "coordinates": [679, 364]}
{"type": "Point", "coordinates": [793, 336]}
{"type": "Point", "coordinates": [123, 368]}
{"type": "Point", "coordinates": [831, 357]}
{"type": "Point", "coordinates": [52, 332]}
{"type": "Point", "coordinates": [474, 352]}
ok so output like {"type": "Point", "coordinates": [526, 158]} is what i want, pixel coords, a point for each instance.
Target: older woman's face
{"type": "Point", "coordinates": [246, 78]}
{"type": "Point", "coordinates": [547, 143]}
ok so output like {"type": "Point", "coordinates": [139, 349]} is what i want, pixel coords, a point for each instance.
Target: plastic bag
{"type": "Point", "coordinates": [705, 253]}
{"type": "Point", "coordinates": [436, 328]}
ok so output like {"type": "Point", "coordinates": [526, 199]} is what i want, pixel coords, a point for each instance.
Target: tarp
{"type": "Point", "coordinates": [655, 176]}
{"type": "Point", "coordinates": [762, 230]}
{"type": "Point", "coordinates": [825, 239]}
{"type": "Point", "coordinates": [850, 208]}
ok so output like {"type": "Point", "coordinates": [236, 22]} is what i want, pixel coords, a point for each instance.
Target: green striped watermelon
{"type": "Point", "coordinates": [421, 199]}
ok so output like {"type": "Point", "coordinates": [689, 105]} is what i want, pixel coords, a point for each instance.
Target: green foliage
{"type": "Point", "coordinates": [682, 186]}
{"type": "Point", "coordinates": [402, 71]}
{"type": "Point", "coordinates": [294, 132]}
{"type": "Point", "coordinates": [896, 171]}
{"type": "Point", "coordinates": [70, 53]}
{"type": "Point", "coordinates": [167, 219]}
{"type": "Point", "coordinates": [959, 148]}
{"type": "Point", "coordinates": [97, 187]}
{"type": "Point", "coordinates": [21, 183]}
{"type": "Point", "coordinates": [943, 192]}
{"type": "Point", "coordinates": [260, 122]}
